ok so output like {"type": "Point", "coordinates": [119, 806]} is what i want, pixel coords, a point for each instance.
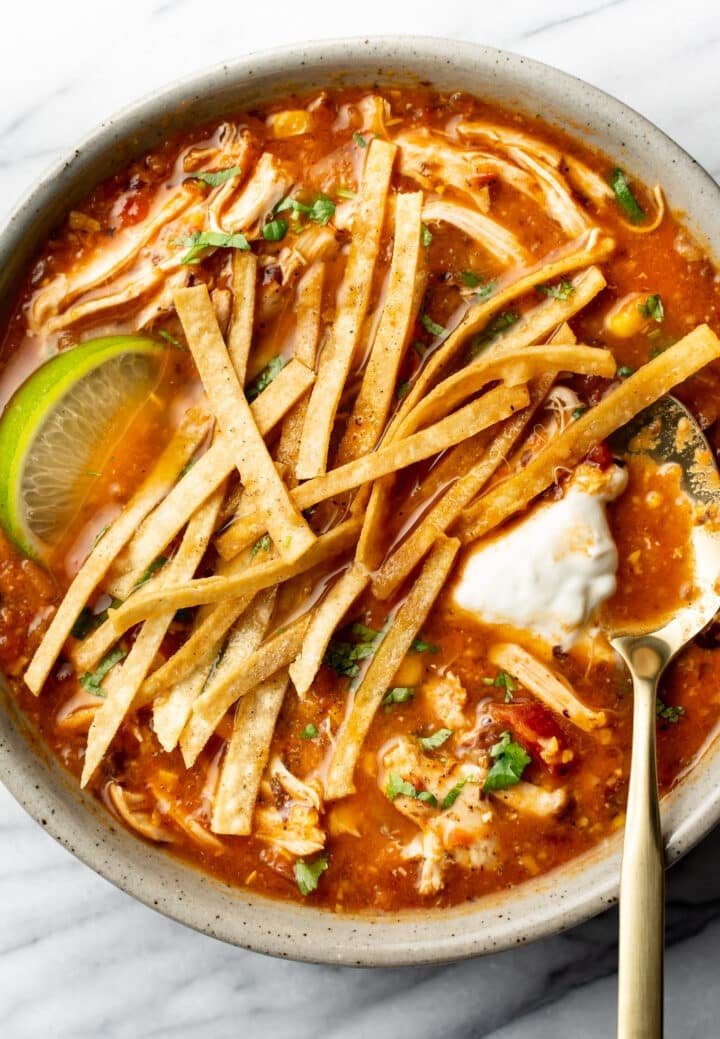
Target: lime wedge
{"type": "Point", "coordinates": [70, 411]}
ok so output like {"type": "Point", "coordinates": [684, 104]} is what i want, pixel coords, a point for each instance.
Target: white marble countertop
{"type": "Point", "coordinates": [77, 957]}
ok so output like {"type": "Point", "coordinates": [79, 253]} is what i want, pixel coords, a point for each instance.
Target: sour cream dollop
{"type": "Point", "coordinates": [553, 569]}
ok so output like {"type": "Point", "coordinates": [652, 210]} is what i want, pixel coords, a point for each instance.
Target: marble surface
{"type": "Point", "coordinates": [77, 957]}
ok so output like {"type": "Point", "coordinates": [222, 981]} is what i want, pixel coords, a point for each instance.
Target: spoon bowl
{"type": "Point", "coordinates": [667, 434]}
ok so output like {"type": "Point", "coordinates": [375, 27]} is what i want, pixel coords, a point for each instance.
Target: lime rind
{"type": "Point", "coordinates": [54, 422]}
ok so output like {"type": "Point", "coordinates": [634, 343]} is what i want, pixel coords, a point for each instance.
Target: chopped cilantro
{"type": "Point", "coordinates": [625, 197]}
{"type": "Point", "coordinates": [322, 210]}
{"type": "Point", "coordinates": [156, 564]}
{"type": "Point", "coordinates": [500, 324]}
{"type": "Point", "coordinates": [435, 739]}
{"type": "Point", "coordinates": [396, 786]}
{"type": "Point", "coordinates": [359, 140]}
{"type": "Point", "coordinates": [668, 714]}
{"type": "Point", "coordinates": [503, 681]}
{"type": "Point", "coordinates": [398, 694]}
{"type": "Point", "coordinates": [563, 290]}
{"type": "Point", "coordinates": [469, 280]}
{"type": "Point", "coordinates": [625, 372]}
{"type": "Point", "coordinates": [198, 242]}
{"type": "Point", "coordinates": [291, 203]}
{"type": "Point", "coordinates": [261, 545]}
{"type": "Point", "coordinates": [403, 389]}
{"type": "Point", "coordinates": [92, 680]}
{"type": "Point", "coordinates": [431, 326]}
{"type": "Point", "coordinates": [577, 412]}
{"type": "Point", "coordinates": [510, 760]}
{"type": "Point", "coordinates": [187, 467]}
{"type": "Point", "coordinates": [343, 656]}
{"type": "Point", "coordinates": [419, 645]}
{"type": "Point", "coordinates": [266, 376]}
{"type": "Point", "coordinates": [214, 180]}
{"type": "Point", "coordinates": [99, 536]}
{"type": "Point", "coordinates": [452, 795]}
{"type": "Point", "coordinates": [275, 230]}
{"type": "Point", "coordinates": [172, 340]}
{"type": "Point", "coordinates": [484, 291]}
{"type": "Point", "coordinates": [653, 308]}
{"type": "Point", "coordinates": [425, 236]}
{"type": "Point", "coordinates": [419, 348]}
{"type": "Point", "coordinates": [307, 874]}
{"type": "Point", "coordinates": [345, 193]}
{"type": "Point", "coordinates": [309, 732]}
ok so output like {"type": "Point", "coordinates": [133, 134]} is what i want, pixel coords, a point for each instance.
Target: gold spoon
{"type": "Point", "coordinates": [666, 432]}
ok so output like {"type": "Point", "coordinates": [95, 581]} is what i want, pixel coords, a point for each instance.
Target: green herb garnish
{"type": "Point", "coordinates": [172, 340]}
{"type": "Point", "coordinates": [92, 680]}
{"type": "Point", "coordinates": [510, 760]}
{"type": "Point", "coordinates": [322, 210]}
{"type": "Point", "coordinates": [431, 326]}
{"type": "Point", "coordinates": [653, 308]}
{"type": "Point", "coordinates": [275, 230]}
{"type": "Point", "coordinates": [266, 376]}
{"type": "Point", "coordinates": [396, 786]}
{"type": "Point", "coordinates": [502, 322]}
{"type": "Point", "coordinates": [625, 197]}
{"type": "Point", "coordinates": [198, 242]}
{"type": "Point", "coordinates": [345, 193]}
{"type": "Point", "coordinates": [359, 140]}
{"type": "Point", "coordinates": [577, 412]}
{"type": "Point", "coordinates": [668, 714]}
{"type": "Point", "coordinates": [261, 545]}
{"type": "Point", "coordinates": [625, 372]}
{"type": "Point", "coordinates": [425, 236]}
{"type": "Point", "coordinates": [214, 180]}
{"type": "Point", "coordinates": [156, 564]}
{"type": "Point", "coordinates": [419, 645]}
{"type": "Point", "coordinates": [469, 280]}
{"type": "Point", "coordinates": [563, 290]}
{"type": "Point", "coordinates": [403, 389]}
{"type": "Point", "coordinates": [452, 795]}
{"type": "Point", "coordinates": [503, 681]}
{"type": "Point", "coordinates": [398, 694]}
{"type": "Point", "coordinates": [309, 732]}
{"type": "Point", "coordinates": [307, 874]}
{"type": "Point", "coordinates": [435, 740]}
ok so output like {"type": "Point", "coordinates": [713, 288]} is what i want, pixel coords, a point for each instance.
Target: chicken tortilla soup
{"type": "Point", "coordinates": [313, 533]}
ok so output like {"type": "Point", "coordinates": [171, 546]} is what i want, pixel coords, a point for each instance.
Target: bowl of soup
{"type": "Point", "coordinates": [313, 533]}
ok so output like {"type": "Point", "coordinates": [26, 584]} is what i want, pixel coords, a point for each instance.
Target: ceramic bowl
{"type": "Point", "coordinates": [538, 907]}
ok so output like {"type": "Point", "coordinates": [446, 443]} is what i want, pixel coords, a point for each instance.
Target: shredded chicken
{"type": "Point", "coordinates": [288, 813]}
{"type": "Point", "coordinates": [446, 697]}
{"type": "Point", "coordinates": [486, 232]}
{"type": "Point", "coordinates": [130, 807]}
{"type": "Point", "coordinates": [529, 799]}
{"type": "Point", "coordinates": [432, 162]}
{"type": "Point", "coordinates": [266, 186]}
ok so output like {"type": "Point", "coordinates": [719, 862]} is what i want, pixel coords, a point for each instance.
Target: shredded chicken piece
{"type": "Point", "coordinates": [314, 243]}
{"type": "Point", "coordinates": [128, 806]}
{"type": "Point", "coordinates": [509, 137]}
{"type": "Point", "coordinates": [231, 149]}
{"type": "Point", "coordinates": [492, 236]}
{"type": "Point", "coordinates": [266, 186]}
{"type": "Point", "coordinates": [447, 698]}
{"type": "Point", "coordinates": [529, 799]}
{"type": "Point", "coordinates": [432, 162]}
{"type": "Point", "coordinates": [558, 200]}
{"type": "Point", "coordinates": [289, 813]}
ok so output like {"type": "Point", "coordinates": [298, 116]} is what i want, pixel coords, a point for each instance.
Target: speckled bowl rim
{"type": "Point", "coordinates": [539, 907]}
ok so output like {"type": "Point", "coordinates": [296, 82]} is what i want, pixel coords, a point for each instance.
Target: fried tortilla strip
{"type": "Point", "coordinates": [172, 706]}
{"type": "Point", "coordinates": [552, 689]}
{"type": "Point", "coordinates": [377, 392]}
{"type": "Point", "coordinates": [246, 757]}
{"type": "Point", "coordinates": [239, 338]}
{"type": "Point", "coordinates": [326, 619]}
{"type": "Point", "coordinates": [589, 249]}
{"type": "Point", "coordinates": [123, 682]}
{"type": "Point", "coordinates": [514, 367]}
{"type": "Point", "coordinates": [534, 325]}
{"type": "Point", "coordinates": [444, 513]}
{"type": "Point", "coordinates": [638, 391]}
{"type": "Point", "coordinates": [481, 413]}
{"type": "Point", "coordinates": [190, 434]}
{"type": "Point", "coordinates": [207, 473]}
{"type": "Point", "coordinates": [244, 639]}
{"type": "Point", "coordinates": [307, 339]}
{"type": "Point", "coordinates": [288, 528]}
{"type": "Point", "coordinates": [387, 659]}
{"type": "Point", "coordinates": [237, 681]}
{"type": "Point", "coordinates": [242, 581]}
{"type": "Point", "coordinates": [352, 303]}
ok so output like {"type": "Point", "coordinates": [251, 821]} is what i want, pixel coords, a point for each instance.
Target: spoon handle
{"type": "Point", "coordinates": [642, 882]}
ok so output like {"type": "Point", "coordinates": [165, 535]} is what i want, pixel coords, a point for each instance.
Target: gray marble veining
{"type": "Point", "coordinates": [77, 957]}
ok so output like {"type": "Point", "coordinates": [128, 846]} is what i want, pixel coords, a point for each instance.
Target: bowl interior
{"type": "Point", "coordinates": [539, 907]}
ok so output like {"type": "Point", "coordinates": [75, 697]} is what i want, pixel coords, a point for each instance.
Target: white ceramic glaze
{"type": "Point", "coordinates": [538, 907]}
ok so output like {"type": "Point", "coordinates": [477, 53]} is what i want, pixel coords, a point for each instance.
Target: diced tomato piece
{"type": "Point", "coordinates": [536, 729]}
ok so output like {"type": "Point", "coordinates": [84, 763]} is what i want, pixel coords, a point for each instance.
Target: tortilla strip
{"type": "Point", "coordinates": [288, 528]}
{"type": "Point", "coordinates": [481, 413]}
{"type": "Point", "coordinates": [236, 582]}
{"type": "Point", "coordinates": [638, 391]}
{"type": "Point", "coordinates": [513, 366]}
{"type": "Point", "coordinates": [373, 402]}
{"type": "Point", "coordinates": [387, 659]}
{"type": "Point", "coordinates": [206, 474]}
{"type": "Point", "coordinates": [243, 641]}
{"type": "Point", "coordinates": [326, 619]}
{"type": "Point", "coordinates": [352, 303]}
{"type": "Point", "coordinates": [173, 705]}
{"type": "Point", "coordinates": [123, 682]}
{"type": "Point", "coordinates": [444, 513]}
{"type": "Point", "coordinates": [552, 689]}
{"type": "Point", "coordinates": [193, 429]}
{"type": "Point", "coordinates": [237, 681]}
{"type": "Point", "coordinates": [239, 337]}
{"type": "Point", "coordinates": [246, 757]}
{"type": "Point", "coordinates": [534, 325]}
{"type": "Point", "coordinates": [307, 339]}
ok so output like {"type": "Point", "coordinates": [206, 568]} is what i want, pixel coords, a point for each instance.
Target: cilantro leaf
{"type": "Point", "coordinates": [309, 732]}
{"type": "Point", "coordinates": [198, 242]}
{"type": "Point", "coordinates": [653, 308]}
{"type": "Point", "coordinates": [503, 681]}
{"type": "Point", "coordinates": [625, 197]}
{"type": "Point", "coordinates": [307, 874]}
{"type": "Point", "coordinates": [510, 760]}
{"type": "Point", "coordinates": [425, 236]}
{"type": "Point", "coordinates": [396, 786]}
{"type": "Point", "coordinates": [419, 645]}
{"type": "Point", "coordinates": [266, 376]}
{"type": "Point", "coordinates": [156, 564]}
{"type": "Point", "coordinates": [431, 326]}
{"type": "Point", "coordinates": [92, 680]}
{"type": "Point", "coordinates": [500, 324]}
{"type": "Point", "coordinates": [345, 193]}
{"type": "Point", "coordinates": [322, 210]}
{"type": "Point", "coordinates": [172, 340]}
{"type": "Point", "coordinates": [452, 795]}
{"type": "Point", "coordinates": [215, 179]}
{"type": "Point", "coordinates": [359, 140]}
{"type": "Point", "coordinates": [403, 388]}
{"type": "Point", "coordinates": [398, 694]}
{"type": "Point", "coordinates": [578, 412]}
{"type": "Point", "coordinates": [275, 230]}
{"type": "Point", "coordinates": [261, 545]}
{"type": "Point", "coordinates": [563, 290]}
{"type": "Point", "coordinates": [625, 372]}
{"type": "Point", "coordinates": [668, 714]}
{"type": "Point", "coordinates": [435, 739]}
{"type": "Point", "coordinates": [469, 279]}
